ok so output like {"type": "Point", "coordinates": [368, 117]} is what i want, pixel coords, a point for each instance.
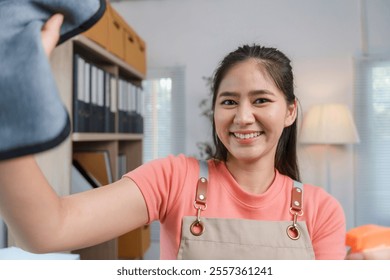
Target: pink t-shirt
{"type": "Point", "coordinates": [169, 186]}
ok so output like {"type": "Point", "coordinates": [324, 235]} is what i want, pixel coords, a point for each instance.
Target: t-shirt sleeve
{"type": "Point", "coordinates": [160, 182]}
{"type": "Point", "coordinates": [329, 229]}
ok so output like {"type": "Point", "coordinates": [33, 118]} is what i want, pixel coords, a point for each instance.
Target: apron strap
{"type": "Point", "coordinates": [296, 210]}
{"type": "Point", "coordinates": [297, 197]}
{"type": "Point", "coordinates": [201, 190]}
{"type": "Point", "coordinates": [197, 227]}
{"type": "Point", "coordinates": [203, 169]}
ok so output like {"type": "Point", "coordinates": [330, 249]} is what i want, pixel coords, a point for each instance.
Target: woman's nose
{"type": "Point", "coordinates": [244, 115]}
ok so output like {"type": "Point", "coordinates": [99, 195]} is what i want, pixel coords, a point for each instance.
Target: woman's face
{"type": "Point", "coordinates": [250, 113]}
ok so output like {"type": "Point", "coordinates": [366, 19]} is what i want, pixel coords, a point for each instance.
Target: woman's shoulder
{"type": "Point", "coordinates": [165, 166]}
{"type": "Point", "coordinates": [316, 192]}
{"type": "Point", "coordinates": [179, 160]}
{"type": "Point", "coordinates": [321, 202]}
{"type": "Point", "coordinates": [315, 197]}
{"type": "Point", "coordinates": [309, 190]}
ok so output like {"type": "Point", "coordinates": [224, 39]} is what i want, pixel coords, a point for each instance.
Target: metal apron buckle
{"type": "Point", "coordinates": [293, 230]}
{"type": "Point", "coordinates": [197, 227]}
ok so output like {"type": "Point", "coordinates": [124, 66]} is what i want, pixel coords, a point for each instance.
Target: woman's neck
{"type": "Point", "coordinates": [252, 177]}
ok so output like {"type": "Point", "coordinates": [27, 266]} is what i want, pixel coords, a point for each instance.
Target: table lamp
{"type": "Point", "coordinates": [328, 124]}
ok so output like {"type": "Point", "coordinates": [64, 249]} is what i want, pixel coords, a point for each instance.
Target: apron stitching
{"type": "Point", "coordinates": [248, 245]}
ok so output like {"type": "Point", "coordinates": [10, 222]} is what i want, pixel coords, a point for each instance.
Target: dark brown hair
{"type": "Point", "coordinates": [278, 67]}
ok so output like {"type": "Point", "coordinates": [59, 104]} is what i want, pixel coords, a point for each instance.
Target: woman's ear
{"type": "Point", "coordinates": [291, 114]}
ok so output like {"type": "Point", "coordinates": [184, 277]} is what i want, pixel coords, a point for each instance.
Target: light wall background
{"type": "Point", "coordinates": [321, 37]}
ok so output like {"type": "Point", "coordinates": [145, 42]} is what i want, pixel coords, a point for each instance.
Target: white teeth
{"type": "Point", "coordinates": [247, 135]}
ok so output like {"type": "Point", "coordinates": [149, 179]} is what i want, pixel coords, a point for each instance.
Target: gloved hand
{"type": "Point", "coordinates": [32, 116]}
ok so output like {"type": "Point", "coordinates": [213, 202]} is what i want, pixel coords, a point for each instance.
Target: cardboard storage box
{"type": "Point", "coordinates": [114, 34]}
{"type": "Point", "coordinates": [135, 50]}
{"type": "Point", "coordinates": [99, 32]}
{"type": "Point", "coordinates": [116, 43]}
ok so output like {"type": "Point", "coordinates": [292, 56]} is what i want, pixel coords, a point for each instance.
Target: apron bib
{"type": "Point", "coordinates": [215, 238]}
{"type": "Point", "coordinates": [225, 239]}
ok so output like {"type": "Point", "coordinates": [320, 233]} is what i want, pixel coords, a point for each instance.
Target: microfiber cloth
{"type": "Point", "coordinates": [32, 116]}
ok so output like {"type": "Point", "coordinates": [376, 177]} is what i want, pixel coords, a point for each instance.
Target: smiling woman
{"type": "Point", "coordinates": [266, 75]}
{"type": "Point", "coordinates": [252, 171]}
{"type": "Point", "coordinates": [244, 203]}
{"type": "Point", "coordinates": [251, 113]}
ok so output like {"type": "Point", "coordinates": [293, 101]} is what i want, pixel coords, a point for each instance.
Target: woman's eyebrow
{"type": "Point", "coordinates": [228, 94]}
{"type": "Point", "coordinates": [261, 92]}
{"type": "Point", "coordinates": [251, 93]}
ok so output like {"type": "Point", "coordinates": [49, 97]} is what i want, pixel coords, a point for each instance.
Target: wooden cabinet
{"type": "Point", "coordinates": [138, 240]}
{"type": "Point", "coordinates": [56, 163]}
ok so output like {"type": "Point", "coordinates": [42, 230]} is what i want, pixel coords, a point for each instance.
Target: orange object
{"type": "Point", "coordinates": [367, 237]}
{"type": "Point", "coordinates": [99, 32]}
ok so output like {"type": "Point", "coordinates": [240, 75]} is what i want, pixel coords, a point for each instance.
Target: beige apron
{"type": "Point", "coordinates": [214, 238]}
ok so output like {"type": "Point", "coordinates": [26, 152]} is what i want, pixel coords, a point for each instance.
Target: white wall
{"type": "Point", "coordinates": [320, 36]}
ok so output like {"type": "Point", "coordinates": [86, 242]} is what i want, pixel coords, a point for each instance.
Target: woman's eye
{"type": "Point", "coordinates": [261, 101]}
{"type": "Point", "coordinates": [228, 102]}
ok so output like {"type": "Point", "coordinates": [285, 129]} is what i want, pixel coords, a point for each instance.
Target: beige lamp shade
{"type": "Point", "coordinates": [329, 124]}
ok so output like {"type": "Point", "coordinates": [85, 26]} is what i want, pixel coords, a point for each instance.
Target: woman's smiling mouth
{"type": "Point", "coordinates": [247, 135]}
